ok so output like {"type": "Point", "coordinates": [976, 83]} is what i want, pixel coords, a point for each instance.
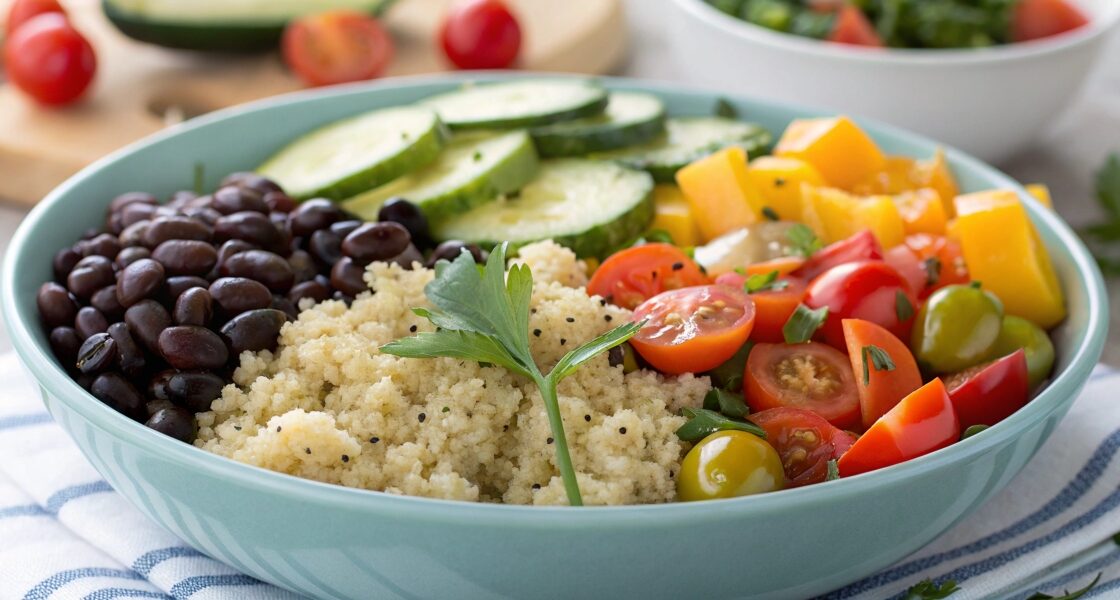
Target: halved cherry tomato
{"type": "Point", "coordinates": [929, 262]}
{"type": "Point", "coordinates": [637, 274]}
{"type": "Point", "coordinates": [22, 11]}
{"type": "Point", "coordinates": [810, 376]}
{"type": "Point", "coordinates": [772, 307]}
{"type": "Point", "coordinates": [883, 389]}
{"type": "Point", "coordinates": [871, 290]}
{"type": "Point", "coordinates": [853, 27]}
{"type": "Point", "coordinates": [804, 440]}
{"type": "Point", "coordinates": [481, 34]}
{"type": "Point", "coordinates": [336, 46]}
{"type": "Point", "coordinates": [693, 329]}
{"type": "Point", "coordinates": [861, 246]}
{"type": "Point", "coordinates": [1036, 19]}
{"type": "Point", "coordinates": [989, 393]}
{"type": "Point", "coordinates": [923, 422]}
{"type": "Point", "coordinates": [50, 60]}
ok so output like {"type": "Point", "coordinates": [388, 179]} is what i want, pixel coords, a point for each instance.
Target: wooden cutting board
{"type": "Point", "coordinates": [142, 88]}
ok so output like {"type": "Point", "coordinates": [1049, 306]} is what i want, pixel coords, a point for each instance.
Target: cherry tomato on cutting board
{"type": "Point", "coordinates": [989, 393]}
{"type": "Point", "coordinates": [811, 376]}
{"type": "Point", "coordinates": [773, 307]}
{"type": "Point", "coordinates": [861, 246]}
{"type": "Point", "coordinates": [884, 387]}
{"type": "Point", "coordinates": [729, 464]}
{"type": "Point", "coordinates": [634, 275]}
{"type": "Point", "coordinates": [852, 27]}
{"type": "Point", "coordinates": [1037, 19]}
{"type": "Point", "coordinates": [50, 60]}
{"type": "Point", "coordinates": [481, 34]}
{"type": "Point", "coordinates": [336, 46]}
{"type": "Point", "coordinates": [693, 329]}
{"type": "Point", "coordinates": [804, 441]}
{"type": "Point", "coordinates": [871, 290]}
{"type": "Point", "coordinates": [22, 11]}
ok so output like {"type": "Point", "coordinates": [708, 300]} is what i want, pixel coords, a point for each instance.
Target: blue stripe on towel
{"type": "Point", "coordinates": [1083, 572]}
{"type": "Point", "coordinates": [16, 421]}
{"type": "Point", "coordinates": [50, 585]}
{"type": "Point", "coordinates": [119, 593]}
{"type": "Point", "coordinates": [24, 510]}
{"type": "Point", "coordinates": [192, 585]}
{"type": "Point", "coordinates": [61, 497]}
{"type": "Point", "coordinates": [149, 560]}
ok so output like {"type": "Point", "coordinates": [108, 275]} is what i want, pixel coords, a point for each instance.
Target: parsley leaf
{"type": "Point", "coordinates": [928, 590]}
{"type": "Point", "coordinates": [762, 283]}
{"type": "Point", "coordinates": [703, 422]}
{"type": "Point", "coordinates": [725, 109]}
{"type": "Point", "coordinates": [833, 471]}
{"type": "Point", "coordinates": [902, 306]}
{"type": "Point", "coordinates": [879, 359]}
{"type": "Point", "coordinates": [804, 241]}
{"type": "Point", "coordinates": [728, 403]}
{"type": "Point", "coordinates": [803, 323]}
{"type": "Point", "coordinates": [1101, 235]}
{"type": "Point", "coordinates": [1066, 594]}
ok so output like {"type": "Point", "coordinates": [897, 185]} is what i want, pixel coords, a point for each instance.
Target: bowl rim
{"type": "Point", "coordinates": [942, 57]}
{"type": "Point", "coordinates": [54, 381]}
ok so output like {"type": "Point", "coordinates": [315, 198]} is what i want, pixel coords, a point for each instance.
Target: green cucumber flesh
{"type": "Point", "coordinates": [517, 104]}
{"type": "Point", "coordinates": [688, 139]}
{"type": "Point", "coordinates": [357, 154]}
{"type": "Point", "coordinates": [473, 169]}
{"type": "Point", "coordinates": [589, 206]}
{"type": "Point", "coordinates": [631, 118]}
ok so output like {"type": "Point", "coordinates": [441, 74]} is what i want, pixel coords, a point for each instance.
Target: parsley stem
{"type": "Point", "coordinates": [547, 387]}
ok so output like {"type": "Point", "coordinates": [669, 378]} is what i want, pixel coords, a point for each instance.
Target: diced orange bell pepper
{"type": "Point", "coordinates": [1004, 252]}
{"type": "Point", "coordinates": [935, 173]}
{"type": "Point", "coordinates": [840, 215]}
{"type": "Point", "coordinates": [673, 215]}
{"type": "Point", "coordinates": [837, 148]}
{"type": "Point", "coordinates": [719, 191]}
{"type": "Point", "coordinates": [897, 176]}
{"type": "Point", "coordinates": [1041, 192]}
{"type": "Point", "coordinates": [921, 211]}
{"type": "Point", "coordinates": [778, 181]}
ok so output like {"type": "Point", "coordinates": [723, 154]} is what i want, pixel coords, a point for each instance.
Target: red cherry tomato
{"type": "Point", "coordinates": [861, 246]}
{"type": "Point", "coordinates": [929, 262]}
{"type": "Point", "coordinates": [883, 388]}
{"type": "Point", "coordinates": [481, 34]}
{"type": "Point", "coordinates": [1037, 19]}
{"type": "Point", "coordinates": [810, 376]}
{"type": "Point", "coordinates": [923, 422]}
{"type": "Point", "coordinates": [22, 11]}
{"type": "Point", "coordinates": [852, 27]}
{"type": "Point", "coordinates": [49, 60]}
{"type": "Point", "coordinates": [336, 46]}
{"type": "Point", "coordinates": [804, 440]}
{"type": "Point", "coordinates": [871, 290]}
{"type": "Point", "coordinates": [989, 393]}
{"type": "Point", "coordinates": [772, 307]}
{"type": "Point", "coordinates": [634, 275]}
{"type": "Point", "coordinates": [693, 329]}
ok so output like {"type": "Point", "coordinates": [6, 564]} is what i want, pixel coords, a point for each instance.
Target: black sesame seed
{"type": "Point", "coordinates": [278, 428]}
{"type": "Point", "coordinates": [587, 418]}
{"type": "Point", "coordinates": [412, 329]}
{"type": "Point", "coordinates": [549, 440]}
{"type": "Point", "coordinates": [237, 427]}
{"type": "Point", "coordinates": [622, 430]}
{"type": "Point", "coordinates": [671, 474]}
{"type": "Point", "coordinates": [779, 182]}
{"type": "Point", "coordinates": [533, 310]}
{"type": "Point", "coordinates": [571, 319]}
{"type": "Point", "coordinates": [422, 416]}
{"type": "Point", "coordinates": [677, 266]}
{"type": "Point", "coordinates": [446, 409]}
{"type": "Point", "coordinates": [537, 332]}
{"type": "Point", "coordinates": [345, 458]}
{"type": "Point", "coordinates": [307, 450]}
{"type": "Point", "coordinates": [505, 427]}
{"type": "Point", "coordinates": [536, 486]}
{"type": "Point", "coordinates": [653, 274]}
{"type": "Point", "coordinates": [563, 341]}
{"type": "Point", "coordinates": [602, 302]}
{"type": "Point", "coordinates": [374, 439]}
{"type": "Point", "coordinates": [608, 318]}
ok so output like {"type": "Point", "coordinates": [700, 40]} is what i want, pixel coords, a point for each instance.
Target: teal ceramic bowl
{"type": "Point", "coordinates": [334, 542]}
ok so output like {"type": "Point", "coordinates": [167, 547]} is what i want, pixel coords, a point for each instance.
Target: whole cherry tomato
{"type": "Point", "coordinates": [22, 11]}
{"type": "Point", "coordinates": [871, 290]}
{"type": "Point", "coordinates": [49, 60]}
{"type": "Point", "coordinates": [481, 34]}
{"type": "Point", "coordinates": [861, 246]}
{"type": "Point", "coordinates": [336, 46]}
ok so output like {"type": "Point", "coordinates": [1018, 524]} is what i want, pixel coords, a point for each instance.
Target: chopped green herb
{"type": "Point", "coordinates": [973, 430]}
{"type": "Point", "coordinates": [1066, 594]}
{"type": "Point", "coordinates": [879, 359]}
{"type": "Point", "coordinates": [728, 403]}
{"type": "Point", "coordinates": [659, 236]}
{"type": "Point", "coordinates": [902, 306]}
{"type": "Point", "coordinates": [803, 323]}
{"type": "Point", "coordinates": [933, 270]}
{"type": "Point", "coordinates": [804, 241]}
{"type": "Point", "coordinates": [725, 109]}
{"type": "Point", "coordinates": [770, 214]}
{"type": "Point", "coordinates": [762, 283]}
{"type": "Point", "coordinates": [976, 285]}
{"type": "Point", "coordinates": [199, 178]}
{"type": "Point", "coordinates": [1102, 236]}
{"type": "Point", "coordinates": [928, 590]}
{"type": "Point", "coordinates": [729, 375]}
{"type": "Point", "coordinates": [702, 423]}
{"type": "Point", "coordinates": [477, 156]}
{"type": "Point", "coordinates": [833, 471]}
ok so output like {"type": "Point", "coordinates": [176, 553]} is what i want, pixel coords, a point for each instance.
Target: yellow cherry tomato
{"type": "Point", "coordinates": [728, 464]}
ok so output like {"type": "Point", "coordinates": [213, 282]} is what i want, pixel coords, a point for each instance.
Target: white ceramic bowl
{"type": "Point", "coordinates": [991, 102]}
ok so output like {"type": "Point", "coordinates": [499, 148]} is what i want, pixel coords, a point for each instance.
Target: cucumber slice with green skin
{"type": "Point", "coordinates": [688, 139]}
{"type": "Point", "coordinates": [219, 25]}
{"type": "Point", "coordinates": [517, 104]}
{"type": "Point", "coordinates": [357, 154]}
{"type": "Point", "coordinates": [474, 169]}
{"type": "Point", "coordinates": [630, 119]}
{"type": "Point", "coordinates": [589, 206]}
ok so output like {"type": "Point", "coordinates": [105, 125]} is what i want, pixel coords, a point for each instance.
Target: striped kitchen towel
{"type": "Point", "coordinates": [67, 535]}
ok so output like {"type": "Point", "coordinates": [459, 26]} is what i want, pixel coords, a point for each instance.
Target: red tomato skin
{"type": "Point", "coordinates": [337, 46]}
{"type": "Point", "coordinates": [697, 351]}
{"type": "Point", "coordinates": [909, 260]}
{"type": "Point", "coordinates": [49, 60]}
{"type": "Point", "coordinates": [1037, 19]}
{"type": "Point", "coordinates": [772, 307]}
{"type": "Point", "coordinates": [631, 276]}
{"type": "Point", "coordinates": [481, 34]}
{"type": "Point", "coordinates": [861, 246]}
{"type": "Point", "coordinates": [865, 290]}
{"type": "Point", "coordinates": [22, 11]}
{"type": "Point", "coordinates": [781, 424]}
{"type": "Point", "coordinates": [853, 28]}
{"type": "Point", "coordinates": [762, 392]}
{"type": "Point", "coordinates": [923, 422]}
{"type": "Point", "coordinates": [993, 393]}
{"type": "Point", "coordinates": [884, 389]}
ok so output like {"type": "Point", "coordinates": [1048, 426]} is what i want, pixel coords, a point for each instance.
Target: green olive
{"type": "Point", "coordinates": [728, 464]}
{"type": "Point", "coordinates": [956, 329]}
{"type": "Point", "coordinates": [1018, 332]}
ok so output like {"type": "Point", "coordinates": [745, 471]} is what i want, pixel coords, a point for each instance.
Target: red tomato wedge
{"type": "Point", "coordinates": [336, 46]}
{"type": "Point", "coordinates": [923, 422]}
{"type": "Point", "coordinates": [480, 34]}
{"type": "Point", "coordinates": [870, 290]}
{"type": "Point", "coordinates": [883, 389]}
{"type": "Point", "coordinates": [1037, 19]}
{"type": "Point", "coordinates": [861, 246]}
{"type": "Point", "coordinates": [810, 376]}
{"type": "Point", "coordinates": [693, 329]}
{"type": "Point", "coordinates": [22, 11]}
{"type": "Point", "coordinates": [772, 307]}
{"type": "Point", "coordinates": [852, 27]}
{"type": "Point", "coordinates": [989, 393]}
{"type": "Point", "coordinates": [634, 275]}
{"type": "Point", "coordinates": [804, 440]}
{"type": "Point", "coordinates": [929, 262]}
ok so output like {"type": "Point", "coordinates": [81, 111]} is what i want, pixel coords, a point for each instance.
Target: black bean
{"type": "Point", "coordinates": [159, 386]}
{"type": "Point", "coordinates": [205, 214]}
{"type": "Point", "coordinates": [117, 393]}
{"type": "Point", "coordinates": [236, 295]}
{"type": "Point", "coordinates": [252, 227]}
{"type": "Point", "coordinates": [141, 279]}
{"type": "Point", "coordinates": [162, 229]}
{"type": "Point", "coordinates": [251, 181]}
{"type": "Point", "coordinates": [90, 321]}
{"type": "Point", "coordinates": [280, 202]}
{"type": "Point", "coordinates": [346, 277]}
{"type": "Point", "coordinates": [254, 330]}
{"type": "Point", "coordinates": [57, 306]}
{"type": "Point", "coordinates": [407, 258]}
{"type": "Point", "coordinates": [105, 300]}
{"type": "Point", "coordinates": [203, 201]}
{"type": "Point", "coordinates": [133, 235]}
{"type": "Point", "coordinates": [309, 289]}
{"type": "Point", "coordinates": [192, 347]}
{"type": "Point", "coordinates": [193, 307]}
{"type": "Point", "coordinates": [154, 406]}
{"type": "Point", "coordinates": [96, 354]}
{"type": "Point", "coordinates": [65, 344]}
{"type": "Point", "coordinates": [326, 247]}
{"type": "Point", "coordinates": [91, 233]}
{"type": "Point", "coordinates": [64, 261]}
{"type": "Point", "coordinates": [147, 319]}
{"type": "Point", "coordinates": [179, 284]}
{"type": "Point", "coordinates": [314, 215]}
{"type": "Point", "coordinates": [376, 241]}
{"type": "Point", "coordinates": [180, 199]}
{"type": "Point", "coordinates": [230, 199]}
{"type": "Point", "coordinates": [266, 267]}
{"type": "Point", "coordinates": [129, 255]}
{"type": "Point", "coordinates": [341, 297]}
{"type": "Point", "coordinates": [130, 357]}
{"type": "Point", "coordinates": [345, 228]}
{"type": "Point", "coordinates": [135, 213]}
{"type": "Point", "coordinates": [451, 249]}
{"type": "Point", "coordinates": [129, 198]}
{"type": "Point", "coordinates": [303, 266]}
{"type": "Point", "coordinates": [174, 422]}
{"type": "Point", "coordinates": [195, 390]}
{"type": "Point", "coordinates": [232, 247]}
{"type": "Point", "coordinates": [285, 306]}
{"type": "Point", "coordinates": [114, 223]}
{"type": "Point", "coordinates": [105, 244]}
{"type": "Point", "coordinates": [186, 257]}
{"type": "Point", "coordinates": [166, 211]}
{"type": "Point", "coordinates": [399, 210]}
{"type": "Point", "coordinates": [89, 275]}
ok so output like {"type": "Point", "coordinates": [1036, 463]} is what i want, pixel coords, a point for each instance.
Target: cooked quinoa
{"type": "Point", "coordinates": [328, 406]}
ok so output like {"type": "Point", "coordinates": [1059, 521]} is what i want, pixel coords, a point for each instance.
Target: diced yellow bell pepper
{"type": "Point", "coordinates": [840, 151]}
{"type": "Point", "coordinates": [778, 181]}
{"type": "Point", "coordinates": [673, 215]}
{"type": "Point", "coordinates": [935, 173]}
{"type": "Point", "coordinates": [719, 191]}
{"type": "Point", "coordinates": [1004, 252]}
{"type": "Point", "coordinates": [841, 215]}
{"type": "Point", "coordinates": [897, 176]}
{"type": "Point", "coordinates": [1041, 192]}
{"type": "Point", "coordinates": [921, 211]}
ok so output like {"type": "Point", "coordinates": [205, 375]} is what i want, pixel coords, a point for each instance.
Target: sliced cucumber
{"type": "Point", "coordinates": [687, 139]}
{"type": "Point", "coordinates": [630, 119]}
{"type": "Point", "coordinates": [589, 206]}
{"type": "Point", "coordinates": [357, 154]}
{"type": "Point", "coordinates": [219, 25]}
{"type": "Point", "coordinates": [474, 169]}
{"type": "Point", "coordinates": [516, 104]}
